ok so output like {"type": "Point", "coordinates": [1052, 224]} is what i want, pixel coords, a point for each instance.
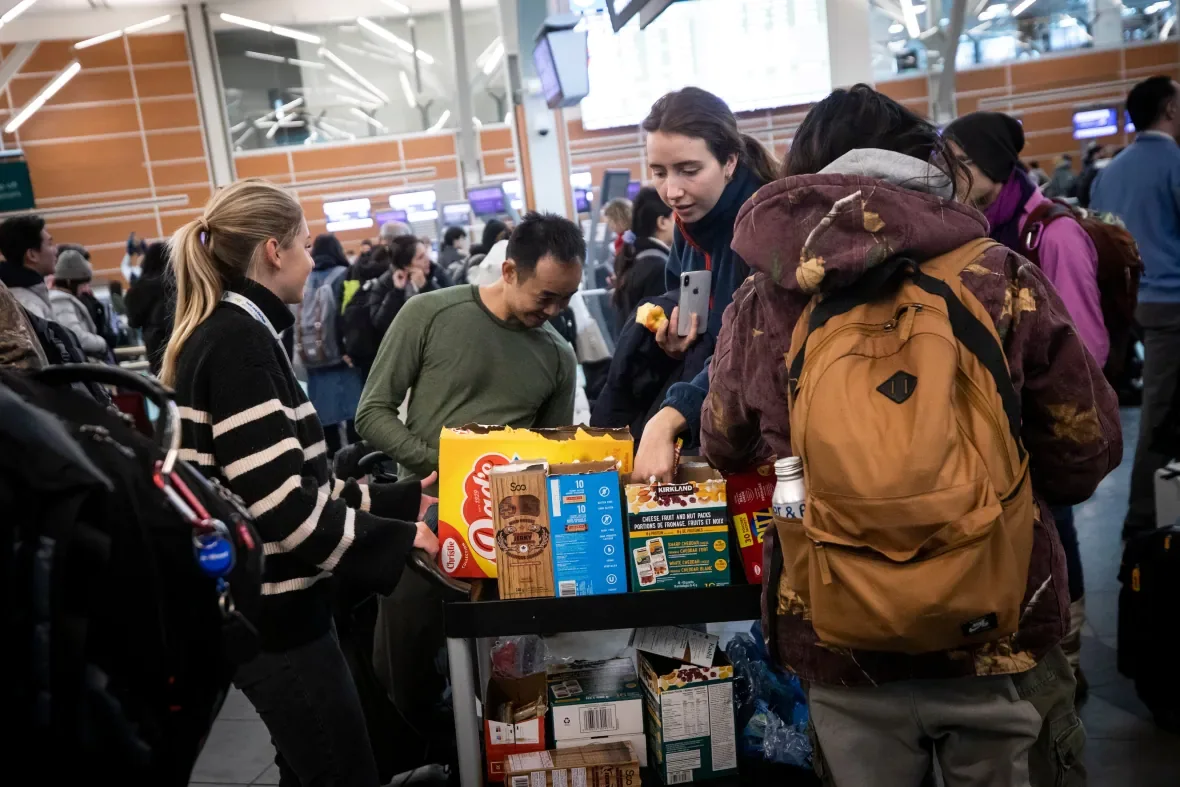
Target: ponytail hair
{"type": "Point", "coordinates": [696, 113]}
{"type": "Point", "coordinates": [646, 212]}
{"type": "Point", "coordinates": [221, 247]}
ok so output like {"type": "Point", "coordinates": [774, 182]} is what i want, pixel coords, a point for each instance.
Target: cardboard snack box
{"type": "Point", "coordinates": [525, 732]}
{"type": "Point", "coordinates": [524, 561]}
{"type": "Point", "coordinates": [678, 533]}
{"type": "Point", "coordinates": [586, 520]}
{"type": "Point", "coordinates": [602, 765]}
{"type": "Point", "coordinates": [466, 530]}
{"type": "Point", "coordinates": [749, 496]}
{"type": "Point", "coordinates": [689, 714]}
{"type": "Point", "coordinates": [597, 702]}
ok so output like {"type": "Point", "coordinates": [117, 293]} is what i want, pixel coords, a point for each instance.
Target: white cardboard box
{"type": "Point", "coordinates": [597, 702]}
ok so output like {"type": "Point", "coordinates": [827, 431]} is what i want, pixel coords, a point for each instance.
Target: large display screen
{"type": "Point", "coordinates": [383, 217]}
{"type": "Point", "coordinates": [456, 214]}
{"type": "Point", "coordinates": [486, 201]}
{"type": "Point", "coordinates": [418, 205]}
{"type": "Point", "coordinates": [783, 58]}
{"type": "Point", "coordinates": [1093, 123]}
{"type": "Point", "coordinates": [348, 214]}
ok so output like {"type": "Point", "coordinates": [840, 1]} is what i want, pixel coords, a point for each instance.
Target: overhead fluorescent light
{"type": "Point", "coordinates": [476, 122]}
{"type": "Point", "coordinates": [358, 102]}
{"type": "Point", "coordinates": [356, 50]}
{"type": "Point", "coordinates": [334, 131]}
{"type": "Point", "coordinates": [372, 121]}
{"type": "Point", "coordinates": [927, 33]}
{"type": "Point", "coordinates": [493, 59]}
{"type": "Point", "coordinates": [407, 89]}
{"type": "Point", "coordinates": [425, 58]}
{"type": "Point", "coordinates": [278, 30]}
{"type": "Point", "coordinates": [442, 121]}
{"type": "Point", "coordinates": [911, 18]}
{"type": "Point", "coordinates": [242, 139]}
{"type": "Point", "coordinates": [1155, 8]}
{"type": "Point", "coordinates": [15, 11]}
{"type": "Point", "coordinates": [290, 105]}
{"type": "Point", "coordinates": [1167, 28]}
{"type": "Point", "coordinates": [1022, 7]}
{"type": "Point", "coordinates": [332, 57]}
{"type": "Point", "coordinates": [360, 91]}
{"type": "Point", "coordinates": [294, 61]}
{"type": "Point", "coordinates": [896, 27]}
{"type": "Point", "coordinates": [130, 29]}
{"type": "Point", "coordinates": [141, 26]}
{"type": "Point", "coordinates": [401, 8]}
{"type": "Point", "coordinates": [102, 39]}
{"type": "Point", "coordinates": [46, 93]}
{"type": "Point", "coordinates": [236, 127]}
{"type": "Point", "coordinates": [264, 56]}
{"type": "Point", "coordinates": [242, 21]}
{"type": "Point", "coordinates": [381, 32]}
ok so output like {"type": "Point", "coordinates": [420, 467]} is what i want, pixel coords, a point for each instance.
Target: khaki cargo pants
{"type": "Point", "coordinates": [1007, 731]}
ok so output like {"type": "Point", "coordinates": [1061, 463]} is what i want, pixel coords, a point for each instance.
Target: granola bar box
{"type": "Point", "coordinates": [749, 496]}
{"type": "Point", "coordinates": [678, 533]}
{"type": "Point", "coordinates": [466, 456]}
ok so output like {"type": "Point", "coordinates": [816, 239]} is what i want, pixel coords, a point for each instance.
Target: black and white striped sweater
{"type": "Point", "coordinates": [247, 422]}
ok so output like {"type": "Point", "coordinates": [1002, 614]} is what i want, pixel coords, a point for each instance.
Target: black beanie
{"type": "Point", "coordinates": [992, 140]}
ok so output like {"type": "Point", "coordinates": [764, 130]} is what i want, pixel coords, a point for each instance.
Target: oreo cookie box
{"type": "Point", "coordinates": [678, 533]}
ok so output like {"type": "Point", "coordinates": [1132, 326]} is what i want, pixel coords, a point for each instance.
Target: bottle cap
{"type": "Point", "coordinates": [788, 466]}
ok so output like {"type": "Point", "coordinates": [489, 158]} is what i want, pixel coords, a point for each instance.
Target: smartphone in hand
{"type": "Point", "coordinates": [694, 299]}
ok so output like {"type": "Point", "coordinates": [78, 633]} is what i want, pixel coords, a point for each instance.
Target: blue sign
{"type": "Point", "coordinates": [16, 190]}
{"type": "Point", "coordinates": [1093, 123]}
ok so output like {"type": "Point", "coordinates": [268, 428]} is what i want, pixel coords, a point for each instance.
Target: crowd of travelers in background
{"type": "Point", "coordinates": [396, 343]}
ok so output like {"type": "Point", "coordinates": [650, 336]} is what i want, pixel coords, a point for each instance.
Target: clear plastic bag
{"type": "Point", "coordinates": [518, 657]}
{"type": "Point", "coordinates": [769, 704]}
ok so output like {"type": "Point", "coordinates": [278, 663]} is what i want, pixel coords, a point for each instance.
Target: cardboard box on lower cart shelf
{"type": "Point", "coordinates": [678, 533]}
{"type": "Point", "coordinates": [689, 711]}
{"type": "Point", "coordinates": [602, 765]}
{"type": "Point", "coordinates": [514, 720]}
{"type": "Point", "coordinates": [597, 702]}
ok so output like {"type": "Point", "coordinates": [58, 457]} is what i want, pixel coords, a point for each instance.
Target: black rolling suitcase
{"type": "Point", "coordinates": [1149, 622]}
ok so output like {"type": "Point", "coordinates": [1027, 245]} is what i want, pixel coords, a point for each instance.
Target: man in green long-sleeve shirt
{"type": "Point", "coordinates": [479, 354]}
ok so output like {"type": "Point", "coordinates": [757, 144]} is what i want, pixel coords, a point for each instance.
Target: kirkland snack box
{"type": "Point", "coordinates": [678, 533]}
{"type": "Point", "coordinates": [689, 712]}
{"type": "Point", "coordinates": [749, 497]}
{"type": "Point", "coordinates": [586, 520]}
{"type": "Point", "coordinates": [597, 702]}
{"type": "Point", "coordinates": [524, 562]}
{"type": "Point", "coordinates": [466, 528]}
{"type": "Point", "coordinates": [603, 765]}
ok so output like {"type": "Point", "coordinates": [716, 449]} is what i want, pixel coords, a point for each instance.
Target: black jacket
{"type": "Point", "coordinates": [151, 303]}
{"type": "Point", "coordinates": [641, 373]}
{"type": "Point", "coordinates": [644, 279]}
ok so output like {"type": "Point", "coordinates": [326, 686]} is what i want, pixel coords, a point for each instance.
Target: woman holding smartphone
{"type": "Point", "coordinates": [247, 423]}
{"type": "Point", "coordinates": [705, 169]}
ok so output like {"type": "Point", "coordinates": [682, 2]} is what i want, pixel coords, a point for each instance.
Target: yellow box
{"type": "Point", "coordinates": [466, 456]}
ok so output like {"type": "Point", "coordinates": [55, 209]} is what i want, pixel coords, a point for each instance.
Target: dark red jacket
{"type": "Point", "coordinates": [1070, 418]}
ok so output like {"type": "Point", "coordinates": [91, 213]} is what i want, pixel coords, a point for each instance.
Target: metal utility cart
{"type": "Point", "coordinates": [467, 621]}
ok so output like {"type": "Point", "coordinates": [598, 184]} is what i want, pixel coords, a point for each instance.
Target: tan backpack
{"type": "Point", "coordinates": [919, 521]}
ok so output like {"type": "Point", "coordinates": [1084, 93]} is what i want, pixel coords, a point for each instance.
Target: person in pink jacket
{"type": "Point", "coordinates": [989, 144]}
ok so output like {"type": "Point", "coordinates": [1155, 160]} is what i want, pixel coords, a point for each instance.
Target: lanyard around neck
{"type": "Point", "coordinates": [250, 308]}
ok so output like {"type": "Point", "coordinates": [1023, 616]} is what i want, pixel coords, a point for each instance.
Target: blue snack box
{"type": "Point", "coordinates": [586, 524]}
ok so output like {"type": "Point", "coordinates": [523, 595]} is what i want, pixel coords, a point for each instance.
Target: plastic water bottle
{"type": "Point", "coordinates": [789, 500]}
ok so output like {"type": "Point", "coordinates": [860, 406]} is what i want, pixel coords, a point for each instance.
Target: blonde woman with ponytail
{"type": "Point", "coordinates": [247, 423]}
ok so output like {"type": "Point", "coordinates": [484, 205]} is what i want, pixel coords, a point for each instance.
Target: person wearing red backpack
{"type": "Point", "coordinates": [989, 145]}
{"type": "Point", "coordinates": [940, 400]}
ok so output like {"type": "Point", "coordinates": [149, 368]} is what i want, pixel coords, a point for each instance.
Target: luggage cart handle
{"type": "Point", "coordinates": [422, 563]}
